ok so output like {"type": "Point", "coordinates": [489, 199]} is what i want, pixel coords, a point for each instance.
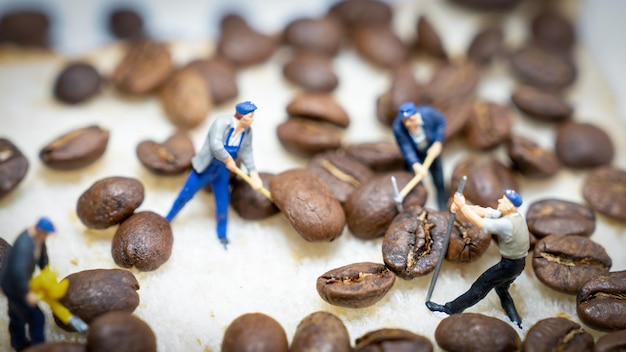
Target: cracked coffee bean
{"type": "Point", "coordinates": [251, 204]}
{"type": "Point", "coordinates": [76, 83]}
{"type": "Point", "coordinates": [601, 302]}
{"type": "Point", "coordinates": [392, 340]}
{"type": "Point", "coordinates": [120, 331]}
{"type": "Point", "coordinates": [560, 217]}
{"type": "Point", "coordinates": [255, 332]}
{"type": "Point", "coordinates": [75, 149]}
{"type": "Point", "coordinates": [171, 157]}
{"type": "Point", "coordinates": [13, 166]}
{"type": "Point", "coordinates": [109, 201]}
{"type": "Point", "coordinates": [320, 331]}
{"type": "Point", "coordinates": [557, 334]}
{"type": "Point", "coordinates": [605, 191]}
{"type": "Point", "coordinates": [467, 241]}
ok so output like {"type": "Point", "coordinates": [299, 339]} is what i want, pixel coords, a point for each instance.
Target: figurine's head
{"type": "Point", "coordinates": [245, 108]}
{"type": "Point", "coordinates": [509, 202]}
{"type": "Point", "coordinates": [411, 118]}
{"type": "Point", "coordinates": [45, 225]}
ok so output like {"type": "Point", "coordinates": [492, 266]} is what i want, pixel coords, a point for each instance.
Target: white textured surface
{"type": "Point", "coordinates": [268, 268]}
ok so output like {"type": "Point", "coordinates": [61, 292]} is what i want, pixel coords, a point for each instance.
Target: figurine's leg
{"type": "Point", "coordinates": [436, 171]}
{"type": "Point", "coordinates": [507, 303]}
{"type": "Point", "coordinates": [222, 199]}
{"type": "Point", "coordinates": [192, 185]}
{"type": "Point", "coordinates": [36, 326]}
{"type": "Point", "coordinates": [17, 325]}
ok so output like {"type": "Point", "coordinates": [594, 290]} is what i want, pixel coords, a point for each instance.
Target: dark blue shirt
{"type": "Point", "coordinates": [434, 128]}
{"type": "Point", "coordinates": [20, 265]}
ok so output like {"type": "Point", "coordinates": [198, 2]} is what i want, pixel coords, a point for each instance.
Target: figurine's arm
{"type": "Point", "coordinates": [439, 132]}
{"type": "Point", "coordinates": [405, 144]}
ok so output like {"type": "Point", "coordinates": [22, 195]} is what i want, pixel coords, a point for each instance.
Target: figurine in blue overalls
{"type": "Point", "coordinates": [229, 137]}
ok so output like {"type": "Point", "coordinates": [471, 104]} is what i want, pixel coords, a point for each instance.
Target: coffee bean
{"type": "Point", "coordinates": [255, 332]}
{"type": "Point", "coordinates": [339, 172]}
{"type": "Point", "coordinates": [583, 145]}
{"type": "Point", "coordinates": [542, 105]}
{"type": "Point", "coordinates": [120, 331]}
{"type": "Point", "coordinates": [488, 125]}
{"type": "Point", "coordinates": [557, 334]}
{"type": "Point", "coordinates": [467, 241]}
{"type": "Point", "coordinates": [144, 241]}
{"type": "Point", "coordinates": [486, 180]}
{"type": "Point", "coordinates": [560, 217]}
{"type": "Point", "coordinates": [392, 340]}
{"type": "Point", "coordinates": [186, 98]}
{"type": "Point", "coordinates": [371, 207]}
{"type": "Point", "coordinates": [321, 331]}
{"type": "Point", "coordinates": [542, 69]}
{"type": "Point", "coordinates": [379, 156]}
{"type": "Point", "coordinates": [553, 31]}
{"type": "Point", "coordinates": [75, 149]}
{"type": "Point", "coordinates": [457, 114]}
{"type": "Point", "coordinates": [311, 71]}
{"type": "Point", "coordinates": [126, 23]}
{"type": "Point", "coordinates": [485, 45]}
{"type": "Point", "coordinates": [251, 204]}
{"type": "Point", "coordinates": [306, 137]}
{"type": "Point", "coordinates": [486, 334]}
{"type": "Point", "coordinates": [143, 69]}
{"type": "Point", "coordinates": [530, 159]}
{"type": "Point", "coordinates": [355, 13]}
{"type": "Point", "coordinates": [76, 83]}
{"type": "Point", "coordinates": [601, 302]}
{"type": "Point", "coordinates": [319, 106]}
{"type": "Point", "coordinates": [13, 166]}
{"type": "Point", "coordinates": [308, 204]}
{"type": "Point", "coordinates": [404, 87]}
{"type": "Point", "coordinates": [605, 190]}
{"type": "Point", "coordinates": [612, 342]}
{"type": "Point", "coordinates": [171, 157]}
{"type": "Point", "coordinates": [379, 45]}
{"type": "Point", "coordinates": [451, 82]}
{"type": "Point", "coordinates": [565, 263]}
{"type": "Point", "coordinates": [57, 347]}
{"type": "Point", "coordinates": [241, 44]}
{"type": "Point", "coordinates": [323, 35]}
{"type": "Point", "coordinates": [429, 40]}
{"type": "Point", "coordinates": [489, 5]}
{"type": "Point", "coordinates": [109, 201]}
{"type": "Point", "coordinates": [26, 28]}
{"type": "Point", "coordinates": [5, 248]}
{"type": "Point", "coordinates": [357, 285]}
{"type": "Point", "coordinates": [92, 293]}
{"type": "Point", "coordinates": [220, 76]}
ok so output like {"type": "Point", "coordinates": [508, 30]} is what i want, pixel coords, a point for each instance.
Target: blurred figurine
{"type": "Point", "coordinates": [419, 132]}
{"type": "Point", "coordinates": [28, 250]}
{"type": "Point", "coordinates": [229, 137]}
{"type": "Point", "coordinates": [510, 227]}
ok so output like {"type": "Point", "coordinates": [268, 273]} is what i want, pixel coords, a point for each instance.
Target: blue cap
{"type": "Point", "coordinates": [407, 109]}
{"type": "Point", "coordinates": [514, 197]}
{"type": "Point", "coordinates": [245, 108]}
{"type": "Point", "coordinates": [44, 224]}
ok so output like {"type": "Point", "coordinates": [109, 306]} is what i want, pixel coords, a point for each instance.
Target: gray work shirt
{"type": "Point", "coordinates": [512, 232]}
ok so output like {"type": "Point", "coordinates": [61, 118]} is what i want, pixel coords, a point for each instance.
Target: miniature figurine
{"type": "Point", "coordinates": [28, 250]}
{"type": "Point", "coordinates": [229, 137]}
{"type": "Point", "coordinates": [419, 132]}
{"type": "Point", "coordinates": [508, 224]}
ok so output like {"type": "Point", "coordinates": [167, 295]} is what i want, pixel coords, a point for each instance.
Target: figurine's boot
{"type": "Point", "coordinates": [509, 306]}
{"type": "Point", "coordinates": [434, 307]}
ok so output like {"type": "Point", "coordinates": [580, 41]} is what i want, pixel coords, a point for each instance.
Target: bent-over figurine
{"type": "Point", "coordinates": [510, 227]}
{"type": "Point", "coordinates": [29, 250]}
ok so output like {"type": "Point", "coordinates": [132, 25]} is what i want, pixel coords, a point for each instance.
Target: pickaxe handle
{"type": "Point", "coordinates": [417, 178]}
{"type": "Point", "coordinates": [247, 178]}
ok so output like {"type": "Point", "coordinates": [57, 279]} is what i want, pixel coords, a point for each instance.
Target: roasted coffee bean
{"type": "Point", "coordinates": [120, 331]}
{"type": "Point", "coordinates": [27, 28]}
{"type": "Point", "coordinates": [486, 180]}
{"type": "Point", "coordinates": [486, 44]}
{"type": "Point", "coordinates": [186, 98]}
{"type": "Point", "coordinates": [255, 332]}
{"type": "Point", "coordinates": [76, 83]}
{"type": "Point", "coordinates": [144, 241]}
{"type": "Point", "coordinates": [306, 137]}
{"type": "Point", "coordinates": [355, 13]}
{"type": "Point", "coordinates": [488, 125]}
{"type": "Point", "coordinates": [560, 217]}
{"type": "Point", "coordinates": [371, 207]}
{"type": "Point", "coordinates": [145, 67]}
{"type": "Point", "coordinates": [251, 204]}
{"type": "Point", "coordinates": [379, 45]}
{"type": "Point", "coordinates": [126, 23]}
{"type": "Point", "coordinates": [339, 172]}
{"type": "Point", "coordinates": [488, 5]}
{"type": "Point", "coordinates": [320, 331]}
{"type": "Point", "coordinates": [457, 114]}
{"type": "Point", "coordinates": [357, 285]}
{"type": "Point", "coordinates": [109, 201]}
{"type": "Point", "coordinates": [429, 40]}
{"type": "Point", "coordinates": [601, 302]}
{"type": "Point", "coordinates": [605, 191]}
{"type": "Point", "coordinates": [583, 145]}
{"type": "Point", "coordinates": [57, 347]}
{"type": "Point", "coordinates": [557, 334]}
{"type": "Point", "coordinates": [311, 71]}
{"type": "Point", "coordinates": [530, 159]}
{"type": "Point", "coordinates": [319, 106]}
{"type": "Point", "coordinates": [404, 87]}
{"type": "Point", "coordinates": [379, 156]}
{"type": "Point", "coordinates": [220, 76]}
{"type": "Point", "coordinates": [384, 340]}
{"type": "Point", "coordinates": [13, 166]}
{"type": "Point", "coordinates": [75, 149]}
{"type": "Point", "coordinates": [553, 31]}
{"type": "Point", "coordinates": [612, 342]}
{"type": "Point", "coordinates": [565, 263]}
{"type": "Point", "coordinates": [5, 248]}
{"type": "Point", "coordinates": [467, 241]}
{"type": "Point", "coordinates": [542, 69]}
{"type": "Point", "coordinates": [452, 82]}
{"type": "Point", "coordinates": [241, 44]}
{"type": "Point", "coordinates": [92, 293]}
{"type": "Point", "coordinates": [323, 35]}
{"type": "Point", "coordinates": [486, 334]}
{"type": "Point", "coordinates": [171, 157]}
{"type": "Point", "coordinates": [308, 204]}
{"type": "Point", "coordinates": [542, 105]}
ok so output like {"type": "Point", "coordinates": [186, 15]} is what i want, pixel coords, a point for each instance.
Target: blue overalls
{"type": "Point", "coordinates": [218, 176]}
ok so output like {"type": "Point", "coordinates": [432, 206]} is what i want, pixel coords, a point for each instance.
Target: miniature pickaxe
{"type": "Point", "coordinates": [398, 196]}
{"type": "Point", "coordinates": [247, 178]}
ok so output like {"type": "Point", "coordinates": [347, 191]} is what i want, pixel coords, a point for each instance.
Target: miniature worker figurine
{"type": "Point", "coordinates": [28, 250]}
{"type": "Point", "coordinates": [510, 227]}
{"type": "Point", "coordinates": [419, 132]}
{"type": "Point", "coordinates": [229, 137]}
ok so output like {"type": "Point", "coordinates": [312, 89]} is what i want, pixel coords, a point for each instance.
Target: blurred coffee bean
{"type": "Point", "coordinates": [542, 105]}
{"type": "Point", "coordinates": [380, 45]}
{"type": "Point", "coordinates": [76, 83]}
{"type": "Point", "coordinates": [467, 241]}
{"type": "Point", "coordinates": [319, 106]}
{"type": "Point", "coordinates": [551, 30]}
{"type": "Point", "coordinates": [311, 71]}
{"type": "Point", "coordinates": [5, 248]}
{"type": "Point", "coordinates": [384, 340]}
{"type": "Point", "coordinates": [486, 334]}
{"type": "Point", "coordinates": [404, 88]}
{"type": "Point", "coordinates": [451, 82]}
{"type": "Point", "coordinates": [605, 190]}
{"type": "Point", "coordinates": [355, 13]}
{"type": "Point", "coordinates": [109, 201]}
{"type": "Point", "coordinates": [26, 28]}
{"type": "Point", "coordinates": [583, 145]}
{"type": "Point", "coordinates": [357, 285]}
{"type": "Point", "coordinates": [307, 137]}
{"type": "Point", "coordinates": [428, 39]}
{"type": "Point", "coordinates": [557, 334]}
{"type": "Point", "coordinates": [120, 331]}
{"type": "Point", "coordinates": [251, 204]}
{"type": "Point", "coordinates": [457, 114]}
{"type": "Point", "coordinates": [612, 342]}
{"type": "Point", "coordinates": [58, 346]}
{"type": "Point", "coordinates": [144, 241]}
{"type": "Point", "coordinates": [186, 98]}
{"type": "Point", "coordinates": [75, 149]}
{"type": "Point", "coordinates": [324, 35]}
{"type": "Point", "coordinates": [380, 156]}
{"type": "Point", "coordinates": [144, 68]}
{"type": "Point", "coordinates": [488, 126]}
{"type": "Point", "coordinates": [540, 68]}
{"type": "Point", "coordinates": [560, 217]}
{"type": "Point", "coordinates": [241, 44]}
{"type": "Point", "coordinates": [220, 76]}
{"type": "Point", "coordinates": [565, 263]}
{"type": "Point", "coordinates": [486, 45]}
{"type": "Point", "coordinates": [530, 159]}
{"type": "Point", "coordinates": [489, 5]}
{"type": "Point", "coordinates": [601, 302]}
{"type": "Point", "coordinates": [486, 180]}
{"type": "Point", "coordinates": [255, 332]}
{"type": "Point", "coordinates": [171, 157]}
{"type": "Point", "coordinates": [320, 331]}
{"type": "Point", "coordinates": [13, 166]}
{"type": "Point", "coordinates": [125, 23]}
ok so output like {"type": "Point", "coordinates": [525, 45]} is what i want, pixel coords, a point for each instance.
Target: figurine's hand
{"type": "Point", "coordinates": [435, 149]}
{"type": "Point", "coordinates": [257, 183]}
{"type": "Point", "coordinates": [230, 163]}
{"type": "Point", "coordinates": [32, 299]}
{"type": "Point", "coordinates": [453, 208]}
{"type": "Point", "coordinates": [459, 200]}
{"type": "Point", "coordinates": [419, 169]}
